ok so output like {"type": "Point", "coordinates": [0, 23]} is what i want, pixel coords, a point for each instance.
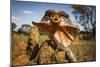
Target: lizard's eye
{"type": "Point", "coordinates": [55, 17]}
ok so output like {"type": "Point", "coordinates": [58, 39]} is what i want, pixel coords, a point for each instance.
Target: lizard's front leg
{"type": "Point", "coordinates": [69, 55]}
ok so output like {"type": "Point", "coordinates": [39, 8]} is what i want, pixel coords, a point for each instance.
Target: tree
{"type": "Point", "coordinates": [85, 15]}
{"type": "Point", "coordinates": [24, 28]}
{"type": "Point", "coordinates": [13, 26]}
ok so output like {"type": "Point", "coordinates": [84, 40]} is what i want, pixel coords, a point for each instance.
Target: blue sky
{"type": "Point", "coordinates": [26, 12]}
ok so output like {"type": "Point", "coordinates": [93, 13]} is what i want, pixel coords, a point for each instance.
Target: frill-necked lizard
{"type": "Point", "coordinates": [59, 27]}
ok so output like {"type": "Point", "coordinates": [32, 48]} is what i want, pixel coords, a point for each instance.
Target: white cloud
{"type": "Point", "coordinates": [14, 18]}
{"type": "Point", "coordinates": [28, 12]}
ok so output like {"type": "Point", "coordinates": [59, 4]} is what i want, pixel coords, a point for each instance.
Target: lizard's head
{"type": "Point", "coordinates": [54, 17]}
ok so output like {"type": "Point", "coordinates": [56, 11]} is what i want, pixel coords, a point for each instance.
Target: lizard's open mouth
{"type": "Point", "coordinates": [55, 17]}
{"type": "Point", "coordinates": [56, 20]}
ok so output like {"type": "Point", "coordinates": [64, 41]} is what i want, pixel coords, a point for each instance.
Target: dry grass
{"type": "Point", "coordinates": [19, 56]}
{"type": "Point", "coordinates": [84, 50]}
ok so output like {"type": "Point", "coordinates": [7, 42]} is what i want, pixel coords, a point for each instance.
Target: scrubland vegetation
{"type": "Point", "coordinates": [84, 50]}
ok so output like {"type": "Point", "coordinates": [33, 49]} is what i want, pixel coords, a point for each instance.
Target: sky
{"type": "Point", "coordinates": [26, 12]}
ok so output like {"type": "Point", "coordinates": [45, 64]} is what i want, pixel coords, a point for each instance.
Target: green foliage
{"type": "Point", "coordinates": [85, 15]}
{"type": "Point", "coordinates": [24, 29]}
{"type": "Point", "coordinates": [42, 38]}
{"type": "Point", "coordinates": [13, 25]}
